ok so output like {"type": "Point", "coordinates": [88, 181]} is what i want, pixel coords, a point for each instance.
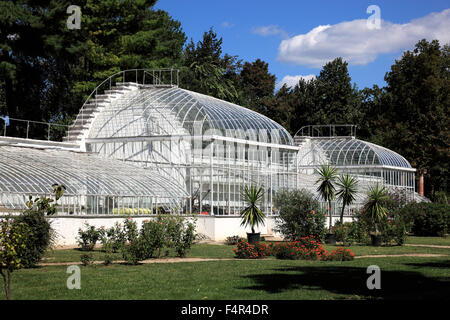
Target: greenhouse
{"type": "Point", "coordinates": [142, 145]}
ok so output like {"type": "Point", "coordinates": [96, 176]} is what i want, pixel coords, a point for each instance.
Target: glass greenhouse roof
{"type": "Point", "coordinates": [157, 110]}
{"type": "Point", "coordinates": [31, 171]}
{"type": "Point", "coordinates": [354, 152]}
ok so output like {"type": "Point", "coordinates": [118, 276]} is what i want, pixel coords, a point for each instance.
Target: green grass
{"type": "Point", "coordinates": [440, 241]}
{"type": "Point", "coordinates": [402, 277]}
{"type": "Point", "coordinates": [224, 251]}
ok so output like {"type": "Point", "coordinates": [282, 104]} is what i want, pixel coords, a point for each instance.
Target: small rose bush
{"type": "Point", "coordinates": [305, 248]}
{"type": "Point", "coordinates": [340, 254]}
{"type": "Point", "coordinates": [245, 250]}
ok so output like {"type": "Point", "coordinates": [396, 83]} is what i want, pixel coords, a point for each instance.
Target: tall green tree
{"type": "Point", "coordinates": [416, 110]}
{"type": "Point", "coordinates": [328, 99]}
{"type": "Point", "coordinates": [257, 84]}
{"type": "Point", "coordinates": [207, 70]}
{"type": "Point", "coordinates": [48, 70]}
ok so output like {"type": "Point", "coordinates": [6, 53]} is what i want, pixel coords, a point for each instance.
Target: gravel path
{"type": "Point", "coordinates": [176, 260]}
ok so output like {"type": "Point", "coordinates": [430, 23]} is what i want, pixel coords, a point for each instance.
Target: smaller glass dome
{"type": "Point", "coordinates": [355, 152]}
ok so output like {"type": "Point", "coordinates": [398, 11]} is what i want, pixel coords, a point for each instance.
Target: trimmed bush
{"type": "Point", "coordinates": [429, 219]}
{"type": "Point", "coordinates": [88, 238]}
{"type": "Point", "coordinates": [40, 238]}
{"type": "Point", "coordinates": [300, 215]}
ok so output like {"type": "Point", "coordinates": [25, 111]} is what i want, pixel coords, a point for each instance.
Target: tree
{"type": "Point", "coordinates": [47, 70]}
{"type": "Point", "coordinates": [375, 205]}
{"type": "Point", "coordinates": [347, 186]}
{"type": "Point", "coordinates": [252, 215]}
{"type": "Point", "coordinates": [417, 110]}
{"type": "Point", "coordinates": [208, 71]}
{"type": "Point", "coordinates": [326, 188]}
{"type": "Point", "coordinates": [13, 239]}
{"type": "Point", "coordinates": [328, 99]}
{"type": "Point", "coordinates": [257, 85]}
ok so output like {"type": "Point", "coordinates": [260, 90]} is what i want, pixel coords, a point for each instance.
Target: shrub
{"type": "Point", "coordinates": [245, 250]}
{"type": "Point", "coordinates": [113, 238]}
{"type": "Point", "coordinates": [133, 253]}
{"type": "Point", "coordinates": [88, 238]}
{"type": "Point", "coordinates": [233, 240]}
{"type": "Point", "coordinates": [86, 259]}
{"type": "Point", "coordinates": [152, 238]}
{"type": "Point", "coordinates": [130, 230]}
{"type": "Point", "coordinates": [394, 226]}
{"type": "Point", "coordinates": [352, 232]}
{"type": "Point", "coordinates": [188, 236]}
{"type": "Point", "coordinates": [306, 248]}
{"type": "Point", "coordinates": [40, 238]}
{"type": "Point", "coordinates": [300, 215]}
{"type": "Point", "coordinates": [429, 219]}
{"type": "Point", "coordinates": [13, 239]}
{"type": "Point", "coordinates": [344, 232]}
{"type": "Point", "coordinates": [340, 254]}
{"type": "Point", "coordinates": [163, 232]}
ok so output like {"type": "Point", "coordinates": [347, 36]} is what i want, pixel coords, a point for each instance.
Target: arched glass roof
{"type": "Point", "coordinates": [31, 171]}
{"type": "Point", "coordinates": [354, 152]}
{"type": "Point", "coordinates": [153, 110]}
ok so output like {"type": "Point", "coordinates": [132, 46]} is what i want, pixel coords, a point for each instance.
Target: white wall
{"type": "Point", "coordinates": [216, 228]}
{"type": "Point", "coordinates": [213, 227]}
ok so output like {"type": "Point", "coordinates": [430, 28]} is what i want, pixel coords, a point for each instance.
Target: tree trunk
{"type": "Point", "coordinates": [329, 211]}
{"type": "Point", "coordinates": [342, 213]}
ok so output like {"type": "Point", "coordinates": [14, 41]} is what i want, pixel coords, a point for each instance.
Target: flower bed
{"type": "Point", "coordinates": [306, 248]}
{"type": "Point", "coordinates": [244, 250]}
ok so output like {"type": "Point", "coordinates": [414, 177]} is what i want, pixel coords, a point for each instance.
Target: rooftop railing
{"type": "Point", "coordinates": [329, 130]}
{"type": "Point", "coordinates": [30, 129]}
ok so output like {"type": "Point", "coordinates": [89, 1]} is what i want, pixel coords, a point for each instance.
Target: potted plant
{"type": "Point", "coordinates": [326, 189]}
{"type": "Point", "coordinates": [252, 215]}
{"type": "Point", "coordinates": [376, 210]}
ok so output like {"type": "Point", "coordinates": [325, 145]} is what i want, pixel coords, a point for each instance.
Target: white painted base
{"type": "Point", "coordinates": [216, 228]}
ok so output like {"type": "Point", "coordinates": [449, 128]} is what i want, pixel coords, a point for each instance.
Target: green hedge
{"type": "Point", "coordinates": [429, 219]}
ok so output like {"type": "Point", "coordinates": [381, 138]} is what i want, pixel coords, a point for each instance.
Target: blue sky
{"type": "Point", "coordinates": [297, 37]}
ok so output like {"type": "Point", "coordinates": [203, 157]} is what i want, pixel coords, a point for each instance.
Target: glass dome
{"type": "Point", "coordinates": [355, 152]}
{"type": "Point", "coordinates": [159, 110]}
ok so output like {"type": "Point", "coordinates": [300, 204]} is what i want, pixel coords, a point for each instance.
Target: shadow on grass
{"type": "Point", "coordinates": [440, 264]}
{"type": "Point", "coordinates": [352, 281]}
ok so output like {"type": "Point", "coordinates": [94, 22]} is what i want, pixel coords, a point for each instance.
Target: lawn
{"type": "Point", "coordinates": [402, 277]}
{"type": "Point", "coordinates": [268, 279]}
{"type": "Point", "coordinates": [224, 251]}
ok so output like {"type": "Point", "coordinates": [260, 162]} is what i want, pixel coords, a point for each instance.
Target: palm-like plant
{"type": "Point", "coordinates": [348, 187]}
{"type": "Point", "coordinates": [252, 215]}
{"type": "Point", "coordinates": [375, 204]}
{"type": "Point", "coordinates": [326, 189]}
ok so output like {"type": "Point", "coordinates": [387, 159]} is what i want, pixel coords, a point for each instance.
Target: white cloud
{"type": "Point", "coordinates": [227, 24]}
{"type": "Point", "coordinates": [270, 30]}
{"type": "Point", "coordinates": [291, 81]}
{"type": "Point", "coordinates": [358, 44]}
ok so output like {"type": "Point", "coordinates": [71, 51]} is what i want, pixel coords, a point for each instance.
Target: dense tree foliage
{"type": "Point", "coordinates": [47, 70]}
